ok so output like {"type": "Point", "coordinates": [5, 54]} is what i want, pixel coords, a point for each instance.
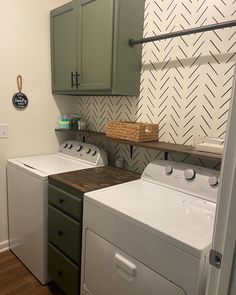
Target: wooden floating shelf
{"type": "Point", "coordinates": [85, 133]}
{"type": "Point", "coordinates": [154, 145]}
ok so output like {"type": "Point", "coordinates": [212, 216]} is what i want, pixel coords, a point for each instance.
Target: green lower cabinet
{"type": "Point", "coordinates": [90, 52]}
{"type": "Point", "coordinates": [64, 272]}
{"type": "Point", "coordinates": [64, 238]}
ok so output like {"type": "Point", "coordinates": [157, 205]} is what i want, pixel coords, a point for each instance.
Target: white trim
{"type": "Point", "coordinates": [4, 246]}
{"type": "Point", "coordinates": [224, 232]}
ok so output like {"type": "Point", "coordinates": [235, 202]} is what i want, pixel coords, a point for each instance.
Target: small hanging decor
{"type": "Point", "coordinates": [19, 100]}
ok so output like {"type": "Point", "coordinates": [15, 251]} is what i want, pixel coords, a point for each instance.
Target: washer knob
{"type": "Point", "coordinates": [213, 181]}
{"type": "Point", "coordinates": [65, 145]}
{"type": "Point", "coordinates": [168, 169]}
{"type": "Point", "coordinates": [93, 153]}
{"type": "Point", "coordinates": [189, 174]}
{"type": "Point", "coordinates": [88, 151]}
{"type": "Point", "coordinates": [70, 146]}
{"type": "Point", "coordinates": [79, 148]}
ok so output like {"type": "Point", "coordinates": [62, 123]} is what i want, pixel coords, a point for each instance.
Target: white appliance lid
{"type": "Point", "coordinates": [49, 164]}
{"type": "Point", "coordinates": [176, 217]}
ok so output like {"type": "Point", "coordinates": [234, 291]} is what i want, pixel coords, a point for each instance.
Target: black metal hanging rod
{"type": "Point", "coordinates": [207, 28]}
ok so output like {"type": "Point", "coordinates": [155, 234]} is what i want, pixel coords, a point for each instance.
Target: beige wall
{"type": "Point", "coordinates": [25, 50]}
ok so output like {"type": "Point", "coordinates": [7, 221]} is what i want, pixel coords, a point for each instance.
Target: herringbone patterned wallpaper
{"type": "Point", "coordinates": [186, 82]}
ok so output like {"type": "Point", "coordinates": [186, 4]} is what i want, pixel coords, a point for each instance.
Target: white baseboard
{"type": "Point", "coordinates": [4, 246]}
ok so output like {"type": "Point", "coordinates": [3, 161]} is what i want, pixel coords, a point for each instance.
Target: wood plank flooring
{"type": "Point", "coordinates": [16, 279]}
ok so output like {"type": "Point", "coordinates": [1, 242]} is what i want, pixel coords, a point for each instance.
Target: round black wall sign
{"type": "Point", "coordinates": [20, 100]}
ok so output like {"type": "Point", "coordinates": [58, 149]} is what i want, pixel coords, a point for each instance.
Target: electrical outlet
{"type": "Point", "coordinates": [3, 130]}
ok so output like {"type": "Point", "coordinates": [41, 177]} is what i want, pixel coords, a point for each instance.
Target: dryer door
{"type": "Point", "coordinates": [108, 270]}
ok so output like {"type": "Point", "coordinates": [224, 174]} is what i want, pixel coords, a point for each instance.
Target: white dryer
{"type": "Point", "coordinates": [150, 236]}
{"type": "Point", "coordinates": [27, 182]}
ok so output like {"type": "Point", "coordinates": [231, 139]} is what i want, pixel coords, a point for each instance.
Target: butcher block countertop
{"type": "Point", "coordinates": [83, 181]}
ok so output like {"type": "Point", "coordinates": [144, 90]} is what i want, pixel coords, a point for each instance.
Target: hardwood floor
{"type": "Point", "coordinates": [16, 279]}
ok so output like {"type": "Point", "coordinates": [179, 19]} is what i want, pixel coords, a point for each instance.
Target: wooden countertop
{"type": "Point", "coordinates": [91, 179]}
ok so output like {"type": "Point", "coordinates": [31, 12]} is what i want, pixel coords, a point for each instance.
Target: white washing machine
{"type": "Point", "coordinates": [150, 236]}
{"type": "Point", "coordinates": [27, 180]}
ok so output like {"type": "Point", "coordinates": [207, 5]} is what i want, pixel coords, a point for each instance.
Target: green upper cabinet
{"type": "Point", "coordinates": [89, 47]}
{"type": "Point", "coordinates": [63, 46]}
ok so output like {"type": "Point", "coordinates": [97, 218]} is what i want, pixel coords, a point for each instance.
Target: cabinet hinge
{"type": "Point", "coordinates": [215, 258]}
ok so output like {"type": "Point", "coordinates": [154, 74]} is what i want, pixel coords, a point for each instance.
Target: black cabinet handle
{"type": "Point", "coordinates": [60, 273]}
{"type": "Point", "coordinates": [77, 79]}
{"type": "Point", "coordinates": [61, 201]}
{"type": "Point", "coordinates": [72, 79]}
{"type": "Point", "coordinates": [60, 233]}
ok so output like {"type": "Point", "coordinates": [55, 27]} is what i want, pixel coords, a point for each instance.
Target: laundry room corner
{"type": "Point", "coordinates": [117, 147]}
{"type": "Point", "coordinates": [25, 35]}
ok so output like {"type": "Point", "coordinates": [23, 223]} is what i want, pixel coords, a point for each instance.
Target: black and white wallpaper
{"type": "Point", "coordinates": [186, 82]}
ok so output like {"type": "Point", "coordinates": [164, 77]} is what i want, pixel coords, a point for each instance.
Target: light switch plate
{"type": "Point", "coordinates": [3, 130]}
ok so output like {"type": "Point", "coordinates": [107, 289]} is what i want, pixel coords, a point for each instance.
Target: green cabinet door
{"type": "Point", "coordinates": [64, 46]}
{"type": "Point", "coordinates": [95, 44]}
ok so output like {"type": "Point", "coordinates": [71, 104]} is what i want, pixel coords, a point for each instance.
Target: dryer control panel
{"type": "Point", "coordinates": [194, 180]}
{"type": "Point", "coordinates": [84, 152]}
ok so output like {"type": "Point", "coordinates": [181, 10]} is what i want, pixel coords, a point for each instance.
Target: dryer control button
{"type": "Point", "coordinates": [189, 174]}
{"type": "Point", "coordinates": [70, 146]}
{"type": "Point", "coordinates": [168, 169]}
{"type": "Point", "coordinates": [213, 181]}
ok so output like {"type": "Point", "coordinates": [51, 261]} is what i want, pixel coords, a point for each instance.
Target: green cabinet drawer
{"type": "Point", "coordinates": [66, 202]}
{"type": "Point", "coordinates": [65, 273]}
{"type": "Point", "coordinates": [64, 233]}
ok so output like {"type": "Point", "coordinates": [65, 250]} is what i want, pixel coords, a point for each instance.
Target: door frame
{"type": "Point", "coordinates": [222, 281]}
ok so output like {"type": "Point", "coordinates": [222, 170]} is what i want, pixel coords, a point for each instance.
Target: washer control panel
{"type": "Point", "coordinates": [197, 181]}
{"type": "Point", "coordinates": [84, 151]}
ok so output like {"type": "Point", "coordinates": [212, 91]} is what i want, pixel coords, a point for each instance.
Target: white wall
{"type": "Point", "coordinates": [25, 50]}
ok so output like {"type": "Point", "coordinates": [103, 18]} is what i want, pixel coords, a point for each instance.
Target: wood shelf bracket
{"type": "Point", "coordinates": [131, 150]}
{"type": "Point", "coordinates": [166, 155]}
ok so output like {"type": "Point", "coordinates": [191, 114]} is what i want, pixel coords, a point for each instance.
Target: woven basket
{"type": "Point", "coordinates": [137, 132]}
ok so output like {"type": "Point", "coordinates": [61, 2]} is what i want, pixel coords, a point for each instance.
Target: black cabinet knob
{"type": "Point", "coordinates": [60, 233]}
{"type": "Point", "coordinates": [61, 201]}
{"type": "Point", "coordinates": [60, 273]}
